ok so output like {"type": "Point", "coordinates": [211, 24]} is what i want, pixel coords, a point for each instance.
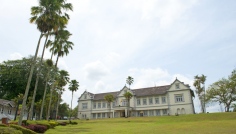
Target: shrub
{"type": "Point", "coordinates": [53, 124]}
{"type": "Point", "coordinates": [62, 123]}
{"type": "Point", "coordinates": [9, 130]}
{"type": "Point", "coordinates": [37, 128]}
{"type": "Point", "coordinates": [46, 124]}
{"type": "Point", "coordinates": [3, 125]}
{"type": "Point", "coordinates": [22, 129]}
{"type": "Point", "coordinates": [25, 122]}
{"type": "Point", "coordinates": [74, 123]}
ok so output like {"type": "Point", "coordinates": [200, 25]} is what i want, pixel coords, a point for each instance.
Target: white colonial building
{"type": "Point", "coordinates": [7, 109]}
{"type": "Point", "coordinates": [176, 98]}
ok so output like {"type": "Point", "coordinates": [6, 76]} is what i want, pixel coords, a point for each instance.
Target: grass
{"type": "Point", "coordinates": [214, 123]}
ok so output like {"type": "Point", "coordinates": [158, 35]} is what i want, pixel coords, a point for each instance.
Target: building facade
{"type": "Point", "coordinates": [7, 109]}
{"type": "Point", "coordinates": [176, 98]}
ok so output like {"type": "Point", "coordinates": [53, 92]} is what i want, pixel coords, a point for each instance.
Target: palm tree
{"type": "Point", "coordinates": [44, 16]}
{"type": "Point", "coordinates": [199, 84]}
{"type": "Point", "coordinates": [129, 81]}
{"type": "Point", "coordinates": [128, 96]}
{"type": "Point", "coordinates": [109, 98]}
{"type": "Point", "coordinates": [61, 45]}
{"type": "Point", "coordinates": [73, 87]}
{"type": "Point", "coordinates": [61, 80]}
{"type": "Point", "coordinates": [49, 64]}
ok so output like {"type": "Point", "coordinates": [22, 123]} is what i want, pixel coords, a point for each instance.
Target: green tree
{"type": "Point", "coordinates": [61, 80]}
{"type": "Point", "coordinates": [109, 98]}
{"type": "Point", "coordinates": [199, 84]}
{"type": "Point", "coordinates": [223, 91]}
{"type": "Point", "coordinates": [129, 81]}
{"type": "Point", "coordinates": [49, 65]}
{"type": "Point", "coordinates": [128, 96]}
{"type": "Point", "coordinates": [73, 87]}
{"type": "Point", "coordinates": [44, 15]}
{"type": "Point", "coordinates": [63, 110]}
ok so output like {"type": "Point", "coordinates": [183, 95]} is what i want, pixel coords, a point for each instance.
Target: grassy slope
{"type": "Point", "coordinates": [186, 124]}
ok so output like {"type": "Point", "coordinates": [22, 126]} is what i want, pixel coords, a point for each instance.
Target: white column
{"type": "Point", "coordinates": [126, 112]}
{"type": "Point", "coordinates": [113, 114]}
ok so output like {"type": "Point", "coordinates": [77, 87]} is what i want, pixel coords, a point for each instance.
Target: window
{"type": "Point", "coordinates": [103, 105]}
{"type": "Point", "coordinates": [163, 99]}
{"type": "Point", "coordinates": [84, 116]}
{"type": "Point", "coordinates": [94, 116]}
{"type": "Point", "coordinates": [145, 113]}
{"type": "Point", "coordinates": [177, 86]}
{"type": "Point", "coordinates": [151, 113]}
{"type": "Point", "coordinates": [99, 115]}
{"type": "Point", "coordinates": [85, 96]}
{"type": "Point", "coordinates": [179, 98]}
{"type": "Point", "coordinates": [182, 111]}
{"type": "Point", "coordinates": [9, 111]}
{"type": "Point", "coordinates": [1, 110]}
{"type": "Point", "coordinates": [138, 102]}
{"type": "Point", "coordinates": [124, 102]}
{"type": "Point", "coordinates": [158, 112]}
{"type": "Point", "coordinates": [99, 105]}
{"type": "Point", "coordinates": [164, 111]}
{"type": "Point", "coordinates": [84, 105]}
{"type": "Point", "coordinates": [157, 100]}
{"type": "Point", "coordinates": [108, 105]}
{"type": "Point", "coordinates": [103, 115]}
{"type": "Point", "coordinates": [94, 105]}
{"type": "Point", "coordinates": [144, 101]}
{"type": "Point", "coordinates": [150, 101]}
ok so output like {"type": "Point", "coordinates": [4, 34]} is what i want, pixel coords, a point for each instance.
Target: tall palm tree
{"type": "Point", "coordinates": [109, 98]}
{"type": "Point", "coordinates": [49, 64]}
{"type": "Point", "coordinates": [61, 80]}
{"type": "Point", "coordinates": [129, 81]}
{"type": "Point", "coordinates": [73, 87]}
{"type": "Point", "coordinates": [43, 15]}
{"type": "Point", "coordinates": [61, 45]}
{"type": "Point", "coordinates": [199, 84]}
{"type": "Point", "coordinates": [128, 96]}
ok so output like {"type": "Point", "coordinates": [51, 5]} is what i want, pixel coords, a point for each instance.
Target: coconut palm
{"type": "Point", "coordinates": [109, 98]}
{"type": "Point", "coordinates": [128, 96]}
{"type": "Point", "coordinates": [129, 81]}
{"type": "Point", "coordinates": [73, 87]}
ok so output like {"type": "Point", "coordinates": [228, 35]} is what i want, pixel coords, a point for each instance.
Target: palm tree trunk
{"type": "Point", "coordinates": [44, 95]}
{"type": "Point", "coordinates": [71, 106]}
{"type": "Point", "coordinates": [29, 81]}
{"type": "Point", "coordinates": [37, 79]}
{"type": "Point", "coordinates": [50, 100]}
{"type": "Point", "coordinates": [57, 61]}
{"type": "Point", "coordinates": [58, 102]}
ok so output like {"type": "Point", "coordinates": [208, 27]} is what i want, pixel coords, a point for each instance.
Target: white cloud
{"type": "Point", "coordinates": [15, 56]}
{"type": "Point", "coordinates": [95, 70]}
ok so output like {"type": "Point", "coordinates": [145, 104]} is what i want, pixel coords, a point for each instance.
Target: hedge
{"type": "Point", "coordinates": [22, 129]}
{"type": "Point", "coordinates": [9, 130]}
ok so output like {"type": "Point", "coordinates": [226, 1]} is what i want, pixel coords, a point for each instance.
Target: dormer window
{"type": "Point", "coordinates": [177, 86]}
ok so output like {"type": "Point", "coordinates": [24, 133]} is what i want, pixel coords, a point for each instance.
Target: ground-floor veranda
{"type": "Point", "coordinates": [118, 113]}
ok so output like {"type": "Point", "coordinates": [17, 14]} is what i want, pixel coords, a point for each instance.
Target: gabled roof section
{"type": "Point", "coordinates": [7, 103]}
{"type": "Point", "coordinates": [151, 91]}
{"type": "Point", "coordinates": [176, 80]}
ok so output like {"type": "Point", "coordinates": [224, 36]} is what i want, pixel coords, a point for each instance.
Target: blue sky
{"type": "Point", "coordinates": [154, 41]}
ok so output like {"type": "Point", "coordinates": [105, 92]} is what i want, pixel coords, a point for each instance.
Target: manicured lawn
{"type": "Point", "coordinates": [213, 123]}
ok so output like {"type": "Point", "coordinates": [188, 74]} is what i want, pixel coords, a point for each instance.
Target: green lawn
{"type": "Point", "coordinates": [213, 123]}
